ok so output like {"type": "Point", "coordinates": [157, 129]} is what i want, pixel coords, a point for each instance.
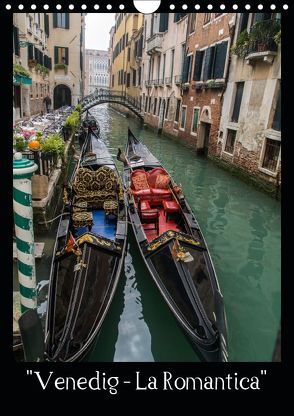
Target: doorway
{"type": "Point", "coordinates": [62, 96]}
{"type": "Point", "coordinates": [161, 118]}
{"type": "Point", "coordinates": [203, 140]}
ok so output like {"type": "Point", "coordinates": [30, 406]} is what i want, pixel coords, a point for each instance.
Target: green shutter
{"type": "Point", "coordinates": [56, 55]}
{"type": "Point", "coordinates": [220, 60]}
{"type": "Point", "coordinates": [66, 20]}
{"type": "Point", "coordinates": [66, 56]}
{"type": "Point", "coordinates": [16, 40]}
{"type": "Point", "coordinates": [186, 68]}
{"type": "Point", "coordinates": [208, 63]}
{"type": "Point", "coordinates": [198, 65]}
{"type": "Point", "coordinates": [54, 19]}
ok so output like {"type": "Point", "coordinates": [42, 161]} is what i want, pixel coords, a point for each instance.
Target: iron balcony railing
{"type": "Point", "coordinates": [148, 83]}
{"type": "Point", "coordinates": [155, 82]}
{"type": "Point", "coordinates": [178, 79]}
{"type": "Point", "coordinates": [161, 82]}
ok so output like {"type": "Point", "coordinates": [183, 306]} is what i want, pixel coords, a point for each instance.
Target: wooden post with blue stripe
{"type": "Point", "coordinates": [23, 170]}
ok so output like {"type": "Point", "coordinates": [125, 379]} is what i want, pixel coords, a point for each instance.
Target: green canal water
{"type": "Point", "coordinates": [241, 226]}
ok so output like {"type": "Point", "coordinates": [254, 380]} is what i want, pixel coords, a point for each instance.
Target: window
{"type": "Point", "coordinates": [237, 103]}
{"type": "Point", "coordinates": [243, 23]}
{"type": "Point", "coordinates": [195, 119]}
{"type": "Point", "coordinates": [155, 105]}
{"type": "Point", "coordinates": [134, 77]}
{"type": "Point", "coordinates": [210, 64]}
{"type": "Point", "coordinates": [159, 105]}
{"type": "Point", "coordinates": [276, 125]}
{"type": "Point", "coordinates": [128, 80]}
{"type": "Point", "coordinates": [149, 105]}
{"type": "Point", "coordinates": [129, 54]}
{"type": "Point", "coordinates": [61, 20]}
{"type": "Point", "coordinates": [61, 55]}
{"type": "Point", "coordinates": [163, 22]}
{"type": "Point", "coordinates": [178, 111]}
{"type": "Point", "coordinates": [163, 66]}
{"type": "Point", "coordinates": [172, 63]}
{"type": "Point", "coordinates": [198, 65]}
{"type": "Point", "coordinates": [271, 154]}
{"type": "Point", "coordinates": [187, 67]}
{"type": "Point", "coordinates": [178, 16]}
{"type": "Point", "coordinates": [183, 117]}
{"type": "Point", "coordinates": [207, 17]}
{"type": "Point", "coordinates": [230, 142]}
{"type": "Point", "coordinates": [191, 24]}
{"type": "Point", "coordinates": [167, 107]}
{"type": "Point", "coordinates": [146, 102]}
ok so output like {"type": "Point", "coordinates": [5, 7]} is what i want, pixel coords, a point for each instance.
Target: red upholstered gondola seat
{"type": "Point", "coordinates": [170, 207]}
{"type": "Point", "coordinates": [148, 215]}
{"type": "Point", "coordinates": [139, 184]}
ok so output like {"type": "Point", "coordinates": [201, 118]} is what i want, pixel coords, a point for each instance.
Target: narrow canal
{"type": "Point", "coordinates": [242, 229]}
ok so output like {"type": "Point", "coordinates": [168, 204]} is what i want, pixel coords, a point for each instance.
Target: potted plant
{"type": "Point", "coordinates": [20, 143]}
{"type": "Point", "coordinates": [58, 67]}
{"type": "Point", "coordinates": [263, 34]}
{"type": "Point", "coordinates": [53, 145]}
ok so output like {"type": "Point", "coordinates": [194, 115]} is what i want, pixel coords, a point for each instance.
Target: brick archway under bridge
{"type": "Point", "coordinates": [116, 97]}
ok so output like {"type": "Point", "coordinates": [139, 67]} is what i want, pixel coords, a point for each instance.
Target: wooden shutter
{"type": "Point", "coordinates": [66, 56]}
{"type": "Point", "coordinates": [56, 54]}
{"type": "Point", "coordinates": [185, 71]}
{"type": "Point", "coordinates": [208, 62]}
{"type": "Point", "coordinates": [220, 60]}
{"type": "Point", "coordinates": [30, 51]}
{"type": "Point", "coordinates": [46, 24]}
{"type": "Point", "coordinates": [163, 22]}
{"type": "Point", "coordinates": [54, 19]}
{"type": "Point", "coordinates": [198, 65]}
{"type": "Point", "coordinates": [66, 20]}
{"type": "Point", "coordinates": [243, 22]}
{"type": "Point", "coordinates": [16, 40]}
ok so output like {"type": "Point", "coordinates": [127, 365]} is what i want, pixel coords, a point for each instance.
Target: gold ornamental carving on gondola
{"type": "Point", "coordinates": [169, 235]}
{"type": "Point", "coordinates": [89, 238]}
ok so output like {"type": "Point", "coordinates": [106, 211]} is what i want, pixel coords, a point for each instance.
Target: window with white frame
{"type": "Point", "coordinates": [183, 117]}
{"type": "Point", "coordinates": [195, 120]}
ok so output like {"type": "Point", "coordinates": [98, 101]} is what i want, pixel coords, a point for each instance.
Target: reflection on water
{"type": "Point", "coordinates": [242, 229]}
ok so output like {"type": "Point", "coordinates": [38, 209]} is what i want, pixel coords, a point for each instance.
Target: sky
{"type": "Point", "coordinates": [98, 26]}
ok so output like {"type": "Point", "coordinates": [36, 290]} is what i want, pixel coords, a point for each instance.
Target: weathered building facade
{"type": "Point", "coordinates": [66, 46]}
{"type": "Point", "coordinates": [250, 126]}
{"type": "Point", "coordinates": [50, 48]}
{"type": "Point", "coordinates": [126, 45]}
{"type": "Point", "coordinates": [30, 51]}
{"type": "Point", "coordinates": [204, 78]}
{"type": "Point", "coordinates": [96, 70]}
{"type": "Point", "coordinates": [163, 56]}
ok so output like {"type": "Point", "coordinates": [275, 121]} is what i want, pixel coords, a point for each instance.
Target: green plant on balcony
{"type": "Point", "coordinates": [20, 70]}
{"type": "Point", "coordinates": [32, 63]}
{"type": "Point", "coordinates": [53, 144]}
{"type": "Point", "coordinates": [58, 67]}
{"type": "Point", "coordinates": [277, 37]}
{"type": "Point", "coordinates": [42, 70]}
{"type": "Point", "coordinates": [263, 33]}
{"type": "Point", "coordinates": [241, 46]}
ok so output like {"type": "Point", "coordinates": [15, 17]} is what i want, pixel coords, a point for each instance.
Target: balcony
{"type": "Point", "coordinates": [168, 81]}
{"type": "Point", "coordinates": [178, 79]}
{"type": "Point", "coordinates": [262, 50]}
{"type": "Point", "coordinates": [154, 43]}
{"type": "Point", "coordinates": [148, 83]}
{"type": "Point", "coordinates": [161, 82]}
{"type": "Point", "coordinates": [156, 82]}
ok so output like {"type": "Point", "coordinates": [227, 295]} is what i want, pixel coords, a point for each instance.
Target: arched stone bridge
{"type": "Point", "coordinates": [108, 96]}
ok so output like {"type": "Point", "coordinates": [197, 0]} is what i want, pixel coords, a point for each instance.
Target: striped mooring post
{"type": "Point", "coordinates": [23, 220]}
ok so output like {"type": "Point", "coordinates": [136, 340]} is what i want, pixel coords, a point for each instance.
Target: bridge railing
{"type": "Point", "coordinates": [104, 94]}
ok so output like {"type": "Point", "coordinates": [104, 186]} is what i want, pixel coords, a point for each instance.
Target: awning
{"type": "Point", "coordinates": [21, 79]}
